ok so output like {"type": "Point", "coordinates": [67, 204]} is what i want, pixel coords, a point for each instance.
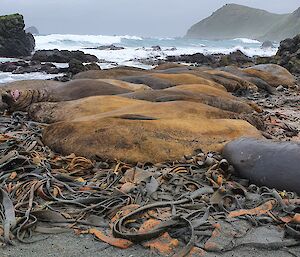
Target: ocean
{"type": "Point", "coordinates": [135, 48]}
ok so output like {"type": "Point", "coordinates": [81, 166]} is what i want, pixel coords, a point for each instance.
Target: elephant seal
{"type": "Point", "coordinates": [266, 163]}
{"type": "Point", "coordinates": [221, 102]}
{"type": "Point", "coordinates": [20, 100]}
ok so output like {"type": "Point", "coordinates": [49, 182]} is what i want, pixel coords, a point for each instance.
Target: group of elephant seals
{"type": "Point", "coordinates": [266, 163]}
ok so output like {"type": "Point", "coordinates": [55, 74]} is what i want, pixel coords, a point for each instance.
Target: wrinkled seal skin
{"type": "Point", "coordinates": [266, 163]}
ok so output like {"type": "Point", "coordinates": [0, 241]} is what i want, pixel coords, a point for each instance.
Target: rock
{"type": "Point", "coordinates": [156, 48]}
{"type": "Point", "coordinates": [280, 88]}
{"type": "Point", "coordinates": [198, 58]}
{"type": "Point", "coordinates": [147, 132]}
{"type": "Point", "coordinates": [92, 66]}
{"type": "Point", "coordinates": [32, 30]}
{"type": "Point", "coordinates": [21, 67]}
{"type": "Point", "coordinates": [288, 54]}
{"type": "Point", "coordinates": [62, 56]}
{"type": "Point", "coordinates": [109, 47]}
{"type": "Point", "coordinates": [266, 163]}
{"type": "Point", "coordinates": [14, 41]}
{"type": "Point", "coordinates": [76, 66]}
{"type": "Point", "coordinates": [237, 58]}
{"type": "Point", "coordinates": [267, 44]}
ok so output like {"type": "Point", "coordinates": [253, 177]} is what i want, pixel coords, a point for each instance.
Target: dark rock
{"type": "Point", "coordinates": [21, 67]}
{"type": "Point", "coordinates": [92, 66]}
{"type": "Point", "coordinates": [288, 54]}
{"type": "Point", "coordinates": [32, 30]}
{"type": "Point", "coordinates": [14, 41]}
{"type": "Point", "coordinates": [191, 58]}
{"type": "Point", "coordinates": [237, 58]}
{"type": "Point", "coordinates": [109, 47]}
{"type": "Point", "coordinates": [156, 48]}
{"type": "Point", "coordinates": [267, 44]}
{"type": "Point", "coordinates": [63, 56]}
{"type": "Point", "coordinates": [76, 66]}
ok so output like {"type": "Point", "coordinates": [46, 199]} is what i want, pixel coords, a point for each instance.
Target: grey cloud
{"type": "Point", "coordinates": [133, 17]}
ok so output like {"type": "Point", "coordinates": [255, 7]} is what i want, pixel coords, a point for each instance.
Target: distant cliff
{"type": "Point", "coordinates": [234, 21]}
{"type": "Point", "coordinates": [14, 41]}
{"type": "Point", "coordinates": [32, 30]}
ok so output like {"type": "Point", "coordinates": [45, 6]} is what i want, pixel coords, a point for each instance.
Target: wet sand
{"type": "Point", "coordinates": [70, 245]}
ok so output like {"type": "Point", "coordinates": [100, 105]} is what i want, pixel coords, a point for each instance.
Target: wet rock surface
{"type": "Point", "coordinates": [214, 60]}
{"type": "Point", "coordinates": [14, 41]}
{"type": "Point", "coordinates": [62, 56]}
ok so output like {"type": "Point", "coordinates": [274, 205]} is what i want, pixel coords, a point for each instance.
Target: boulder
{"type": "Point", "coordinates": [62, 56]}
{"type": "Point", "coordinates": [237, 58]}
{"type": "Point", "coordinates": [288, 54]}
{"type": "Point", "coordinates": [266, 163]}
{"type": "Point", "coordinates": [198, 58]}
{"type": "Point", "coordinates": [109, 47]}
{"type": "Point", "coordinates": [145, 133]}
{"type": "Point", "coordinates": [14, 41]}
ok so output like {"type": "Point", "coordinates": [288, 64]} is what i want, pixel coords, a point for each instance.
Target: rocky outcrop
{"type": "Point", "coordinates": [21, 67]}
{"type": "Point", "coordinates": [63, 56]}
{"type": "Point", "coordinates": [32, 30]}
{"type": "Point", "coordinates": [14, 41]}
{"type": "Point", "coordinates": [238, 21]}
{"type": "Point", "coordinates": [288, 54]}
{"type": "Point", "coordinates": [237, 58]}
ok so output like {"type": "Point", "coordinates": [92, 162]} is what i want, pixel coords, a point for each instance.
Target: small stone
{"type": "Point", "coordinates": [280, 88]}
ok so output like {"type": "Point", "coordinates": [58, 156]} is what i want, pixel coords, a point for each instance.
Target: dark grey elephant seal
{"type": "Point", "coordinates": [266, 163]}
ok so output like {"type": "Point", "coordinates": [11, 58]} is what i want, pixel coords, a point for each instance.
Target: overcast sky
{"type": "Point", "coordinates": [131, 17]}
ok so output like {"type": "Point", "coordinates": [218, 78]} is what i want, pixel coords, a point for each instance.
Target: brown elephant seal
{"type": "Point", "coordinates": [266, 163]}
{"type": "Point", "coordinates": [20, 100]}
{"type": "Point", "coordinates": [227, 104]}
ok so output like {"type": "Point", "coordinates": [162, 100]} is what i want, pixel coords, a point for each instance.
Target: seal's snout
{"type": "Point", "coordinates": [15, 94]}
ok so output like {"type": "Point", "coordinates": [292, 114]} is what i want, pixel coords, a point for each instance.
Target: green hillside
{"type": "Point", "coordinates": [234, 21]}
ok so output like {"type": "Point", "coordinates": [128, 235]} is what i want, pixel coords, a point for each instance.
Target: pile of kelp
{"type": "Point", "coordinates": [193, 205]}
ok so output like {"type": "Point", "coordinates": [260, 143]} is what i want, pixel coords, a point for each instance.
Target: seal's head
{"type": "Point", "coordinates": [11, 96]}
{"type": "Point", "coordinates": [10, 99]}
